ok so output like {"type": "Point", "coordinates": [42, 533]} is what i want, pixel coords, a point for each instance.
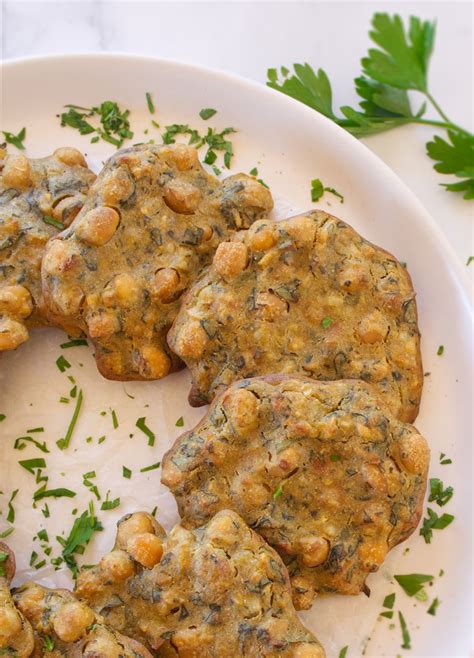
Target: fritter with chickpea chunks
{"type": "Point", "coordinates": [215, 592]}
{"type": "Point", "coordinates": [16, 634]}
{"type": "Point", "coordinates": [64, 626]}
{"type": "Point", "coordinates": [322, 470]}
{"type": "Point", "coordinates": [306, 295]}
{"type": "Point", "coordinates": [151, 223]}
{"type": "Point", "coordinates": [37, 199]}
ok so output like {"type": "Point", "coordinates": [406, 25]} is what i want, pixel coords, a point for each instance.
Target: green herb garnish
{"type": "Point", "coordinates": [206, 113]}
{"type": "Point", "coordinates": [146, 430]}
{"type": "Point", "coordinates": [443, 460]}
{"type": "Point", "coordinates": [82, 530]}
{"type": "Point", "coordinates": [21, 441]}
{"type": "Point", "coordinates": [35, 429]}
{"type": "Point", "coordinates": [64, 443]}
{"type": "Point", "coordinates": [152, 467]}
{"type": "Point", "coordinates": [318, 189]}
{"type": "Point", "coordinates": [109, 504]}
{"type": "Point", "coordinates": [114, 124]}
{"type": "Point", "coordinates": [397, 65]}
{"type": "Point", "coordinates": [6, 533]}
{"type": "Point", "coordinates": [343, 652]}
{"type": "Point", "coordinates": [433, 607]}
{"type": "Point", "coordinates": [48, 643]}
{"type": "Point", "coordinates": [326, 322]}
{"type": "Point", "coordinates": [31, 464]}
{"type": "Point", "coordinates": [254, 171]}
{"type": "Point", "coordinates": [440, 350]}
{"type": "Point", "coordinates": [278, 491]}
{"type": "Point", "coordinates": [2, 417]}
{"type": "Point", "coordinates": [405, 634]}
{"type": "Point", "coordinates": [434, 522]}
{"type": "Point", "coordinates": [114, 419]}
{"type": "Point", "coordinates": [412, 583]}
{"type": "Point", "coordinates": [149, 102]}
{"type": "Point", "coordinates": [11, 509]}
{"type": "Point", "coordinates": [126, 472]}
{"type": "Point", "coordinates": [180, 422]}
{"type": "Point", "coordinates": [438, 494]}
{"type": "Point", "coordinates": [75, 342]}
{"type": "Point", "coordinates": [15, 140]}
{"type": "Point", "coordinates": [61, 492]}
{"type": "Point", "coordinates": [389, 601]}
{"type": "Point", "coordinates": [470, 260]}
{"type": "Point", "coordinates": [62, 363]}
{"type": "Point", "coordinates": [43, 535]}
{"type": "Point", "coordinates": [47, 219]}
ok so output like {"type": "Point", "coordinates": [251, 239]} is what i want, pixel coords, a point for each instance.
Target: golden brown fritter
{"type": "Point", "coordinates": [32, 193]}
{"type": "Point", "coordinates": [215, 592]}
{"type": "Point", "coordinates": [306, 295]}
{"type": "Point", "coordinates": [322, 470]}
{"type": "Point", "coordinates": [64, 626]}
{"type": "Point", "coordinates": [151, 223]}
{"type": "Point", "coordinates": [16, 634]}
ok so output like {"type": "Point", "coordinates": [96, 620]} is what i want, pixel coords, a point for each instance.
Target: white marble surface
{"type": "Point", "coordinates": [249, 37]}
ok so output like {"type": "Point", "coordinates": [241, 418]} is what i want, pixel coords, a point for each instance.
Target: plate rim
{"type": "Point", "coordinates": [460, 277]}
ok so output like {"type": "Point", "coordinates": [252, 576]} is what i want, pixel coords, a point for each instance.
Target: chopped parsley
{"type": "Point", "coordinates": [405, 634]}
{"type": "Point", "coordinates": [278, 491]}
{"type": "Point", "coordinates": [434, 522]}
{"type": "Point", "coordinates": [31, 464]}
{"type": "Point", "coordinates": [206, 113]}
{"type": "Point", "coordinates": [2, 417]}
{"type": "Point", "coordinates": [6, 533]}
{"type": "Point", "coordinates": [109, 504]}
{"type": "Point", "coordinates": [62, 363]}
{"type": "Point", "coordinates": [149, 102]}
{"type": "Point", "coordinates": [15, 140]}
{"type": "Point", "coordinates": [146, 430]}
{"type": "Point", "coordinates": [48, 643]}
{"type": "Point", "coordinates": [318, 189]}
{"type": "Point", "coordinates": [326, 322]}
{"type": "Point", "coordinates": [438, 494]}
{"type": "Point", "coordinates": [43, 535]}
{"type": "Point", "coordinates": [113, 123]}
{"type": "Point", "coordinates": [389, 601]}
{"type": "Point", "coordinates": [343, 652]}
{"type": "Point", "coordinates": [412, 583]}
{"type": "Point", "coordinates": [335, 458]}
{"type": "Point", "coordinates": [470, 260]}
{"type": "Point", "coordinates": [35, 429]}
{"type": "Point", "coordinates": [47, 219]}
{"type": "Point", "coordinates": [126, 472]}
{"type": "Point", "coordinates": [180, 422]}
{"type": "Point", "coordinates": [82, 530]}
{"type": "Point", "coordinates": [440, 350]}
{"type": "Point", "coordinates": [114, 419]}
{"type": "Point", "coordinates": [3, 558]}
{"type": "Point", "coordinates": [433, 607]}
{"type": "Point", "coordinates": [254, 171]}
{"type": "Point", "coordinates": [11, 509]}
{"type": "Point", "coordinates": [21, 441]}
{"type": "Point", "coordinates": [64, 443]}
{"type": "Point", "coordinates": [443, 460]}
{"type": "Point", "coordinates": [152, 467]}
{"type": "Point", "coordinates": [75, 342]}
{"type": "Point", "coordinates": [61, 492]}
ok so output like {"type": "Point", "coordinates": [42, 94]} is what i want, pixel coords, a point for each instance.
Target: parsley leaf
{"type": "Point", "coordinates": [114, 124]}
{"type": "Point", "coordinates": [206, 113]}
{"type": "Point", "coordinates": [434, 522]}
{"type": "Point", "coordinates": [455, 158]}
{"type": "Point", "coordinates": [389, 601]}
{"type": "Point", "coordinates": [399, 63]}
{"type": "Point", "coordinates": [146, 430]}
{"type": "Point", "coordinates": [318, 189]}
{"type": "Point", "coordinates": [82, 530]}
{"type": "Point", "coordinates": [15, 140]}
{"type": "Point", "coordinates": [438, 493]}
{"type": "Point", "coordinates": [278, 491]}
{"type": "Point", "coordinates": [412, 583]}
{"type": "Point", "coordinates": [64, 443]}
{"type": "Point", "coordinates": [11, 509]}
{"type": "Point", "coordinates": [405, 633]}
{"type": "Point", "coordinates": [149, 102]}
{"type": "Point", "coordinates": [433, 607]}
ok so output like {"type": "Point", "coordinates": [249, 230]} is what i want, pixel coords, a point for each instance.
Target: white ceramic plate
{"type": "Point", "coordinates": [290, 144]}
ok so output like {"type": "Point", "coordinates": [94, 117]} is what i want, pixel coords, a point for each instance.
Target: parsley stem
{"type": "Point", "coordinates": [437, 107]}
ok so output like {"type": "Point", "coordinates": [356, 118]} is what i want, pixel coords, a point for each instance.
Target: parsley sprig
{"type": "Point", "coordinates": [398, 65]}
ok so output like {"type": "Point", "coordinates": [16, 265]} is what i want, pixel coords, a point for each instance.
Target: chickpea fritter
{"type": "Point", "coordinates": [322, 470]}
{"type": "Point", "coordinates": [64, 626]}
{"type": "Point", "coordinates": [37, 197]}
{"type": "Point", "coordinates": [16, 634]}
{"type": "Point", "coordinates": [215, 592]}
{"type": "Point", "coordinates": [307, 295]}
{"type": "Point", "coordinates": [151, 223]}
